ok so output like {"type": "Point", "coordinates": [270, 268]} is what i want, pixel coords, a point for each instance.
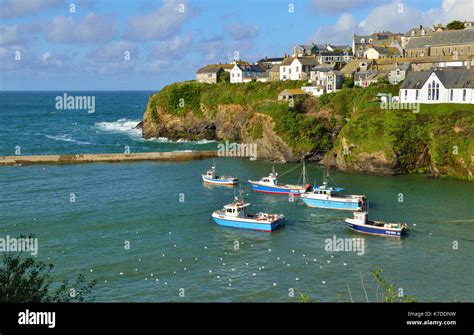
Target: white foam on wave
{"type": "Point", "coordinates": [181, 140]}
{"type": "Point", "coordinates": [121, 126]}
{"type": "Point", "coordinates": [66, 138]}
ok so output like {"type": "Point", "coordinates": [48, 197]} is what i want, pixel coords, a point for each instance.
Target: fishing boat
{"type": "Point", "coordinates": [236, 215]}
{"type": "Point", "coordinates": [270, 184]}
{"type": "Point", "coordinates": [211, 178]}
{"type": "Point", "coordinates": [324, 196]}
{"type": "Point", "coordinates": [360, 223]}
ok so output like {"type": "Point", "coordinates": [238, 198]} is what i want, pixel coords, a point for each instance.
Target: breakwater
{"type": "Point", "coordinates": [107, 158]}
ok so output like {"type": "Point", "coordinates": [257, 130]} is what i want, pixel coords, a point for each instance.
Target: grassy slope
{"type": "Point", "coordinates": [443, 129]}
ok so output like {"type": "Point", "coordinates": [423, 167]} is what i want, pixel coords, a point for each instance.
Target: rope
{"type": "Point", "coordinates": [290, 170]}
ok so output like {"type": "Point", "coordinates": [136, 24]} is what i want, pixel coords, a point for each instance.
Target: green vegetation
{"type": "Point", "coordinates": [384, 291]}
{"type": "Point", "coordinates": [224, 77]}
{"type": "Point", "coordinates": [26, 280]}
{"type": "Point", "coordinates": [455, 25]}
{"type": "Point", "coordinates": [438, 139]}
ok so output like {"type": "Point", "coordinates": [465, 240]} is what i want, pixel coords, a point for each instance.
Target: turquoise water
{"type": "Point", "coordinates": [174, 245]}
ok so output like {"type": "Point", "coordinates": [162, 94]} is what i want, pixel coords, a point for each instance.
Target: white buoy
{"type": "Point", "coordinates": [344, 264]}
{"type": "Point", "coordinates": [121, 273]}
{"type": "Point", "coordinates": [323, 282]}
{"type": "Point", "coordinates": [254, 274]}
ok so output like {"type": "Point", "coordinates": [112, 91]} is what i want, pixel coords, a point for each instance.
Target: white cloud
{"type": "Point", "coordinates": [114, 52]}
{"type": "Point", "coordinates": [162, 23]}
{"type": "Point", "coordinates": [174, 48]}
{"type": "Point", "coordinates": [16, 8]}
{"type": "Point", "coordinates": [396, 17]}
{"type": "Point", "coordinates": [90, 28]}
{"type": "Point", "coordinates": [242, 32]}
{"type": "Point", "coordinates": [13, 34]}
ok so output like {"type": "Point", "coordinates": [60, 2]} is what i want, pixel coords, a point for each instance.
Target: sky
{"type": "Point", "coordinates": [144, 45]}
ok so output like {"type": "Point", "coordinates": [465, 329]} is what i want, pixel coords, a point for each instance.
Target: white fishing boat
{"type": "Point", "coordinates": [211, 177]}
{"type": "Point", "coordinates": [362, 224]}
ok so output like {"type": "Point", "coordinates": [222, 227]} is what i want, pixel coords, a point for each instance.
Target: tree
{"type": "Point", "coordinates": [455, 25]}
{"type": "Point", "coordinates": [224, 77]}
{"type": "Point", "coordinates": [23, 279]}
{"type": "Point", "coordinates": [348, 82]}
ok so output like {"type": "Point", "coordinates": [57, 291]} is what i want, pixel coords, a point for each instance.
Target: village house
{"type": "Point", "coordinates": [211, 73]}
{"type": "Point", "coordinates": [419, 32]}
{"type": "Point", "coordinates": [398, 73]}
{"type": "Point", "coordinates": [369, 77]}
{"type": "Point", "coordinates": [324, 79]}
{"type": "Point", "coordinates": [360, 44]}
{"type": "Point", "coordinates": [290, 94]}
{"type": "Point", "coordinates": [374, 52]}
{"type": "Point", "coordinates": [334, 57]}
{"type": "Point", "coordinates": [302, 50]}
{"type": "Point", "coordinates": [297, 68]}
{"type": "Point", "coordinates": [442, 43]}
{"type": "Point", "coordinates": [244, 73]}
{"type": "Point", "coordinates": [449, 85]}
{"type": "Point", "coordinates": [268, 63]}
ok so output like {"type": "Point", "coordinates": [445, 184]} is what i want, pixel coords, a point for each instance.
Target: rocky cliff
{"type": "Point", "coordinates": [346, 130]}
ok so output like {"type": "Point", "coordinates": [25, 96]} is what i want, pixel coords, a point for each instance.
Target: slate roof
{"type": "Point", "coordinates": [442, 38]}
{"type": "Point", "coordinates": [209, 69]}
{"type": "Point", "coordinates": [308, 61]}
{"type": "Point", "coordinates": [451, 78]}
{"type": "Point", "coordinates": [269, 60]}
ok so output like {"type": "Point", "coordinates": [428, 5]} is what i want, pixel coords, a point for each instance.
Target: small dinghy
{"type": "Point", "coordinates": [360, 223]}
{"type": "Point", "coordinates": [236, 215]}
{"type": "Point", "coordinates": [211, 178]}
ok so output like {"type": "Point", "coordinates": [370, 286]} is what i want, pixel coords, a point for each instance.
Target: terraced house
{"type": "Point", "coordinates": [442, 43]}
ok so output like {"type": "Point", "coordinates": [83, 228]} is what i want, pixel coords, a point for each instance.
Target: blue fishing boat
{"type": "Point", "coordinates": [211, 178]}
{"type": "Point", "coordinates": [236, 215]}
{"type": "Point", "coordinates": [331, 198]}
{"type": "Point", "coordinates": [270, 184]}
{"type": "Point", "coordinates": [360, 223]}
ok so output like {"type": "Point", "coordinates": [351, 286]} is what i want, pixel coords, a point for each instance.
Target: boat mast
{"type": "Point", "coordinates": [304, 173]}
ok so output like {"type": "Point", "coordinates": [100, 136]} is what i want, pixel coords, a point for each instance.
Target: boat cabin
{"type": "Point", "coordinates": [361, 217]}
{"type": "Point", "coordinates": [237, 209]}
{"type": "Point", "coordinates": [211, 173]}
{"type": "Point", "coordinates": [271, 180]}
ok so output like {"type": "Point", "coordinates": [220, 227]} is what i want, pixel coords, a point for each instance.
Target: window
{"type": "Point", "coordinates": [416, 95]}
{"type": "Point", "coordinates": [398, 72]}
{"type": "Point", "coordinates": [464, 95]}
{"type": "Point", "coordinates": [297, 69]}
{"type": "Point", "coordinates": [437, 92]}
{"type": "Point", "coordinates": [451, 93]}
{"type": "Point", "coordinates": [284, 69]}
{"type": "Point", "coordinates": [406, 94]}
{"type": "Point", "coordinates": [429, 91]}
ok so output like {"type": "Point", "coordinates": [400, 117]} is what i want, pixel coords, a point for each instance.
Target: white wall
{"type": "Point", "coordinates": [236, 75]}
{"type": "Point", "coordinates": [444, 94]}
{"type": "Point", "coordinates": [371, 54]}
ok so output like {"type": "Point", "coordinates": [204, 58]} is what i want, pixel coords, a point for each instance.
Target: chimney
{"type": "Point", "coordinates": [421, 26]}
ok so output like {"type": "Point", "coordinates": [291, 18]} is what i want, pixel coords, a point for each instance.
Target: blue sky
{"type": "Point", "coordinates": [144, 45]}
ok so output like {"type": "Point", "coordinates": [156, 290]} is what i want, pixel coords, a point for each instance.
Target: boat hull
{"type": "Point", "coordinates": [275, 189]}
{"type": "Point", "coordinates": [248, 224]}
{"type": "Point", "coordinates": [227, 181]}
{"type": "Point", "coordinates": [332, 204]}
{"type": "Point", "coordinates": [373, 230]}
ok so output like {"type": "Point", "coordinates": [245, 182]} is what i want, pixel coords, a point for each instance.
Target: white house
{"type": "Point", "coordinates": [297, 68]}
{"type": "Point", "coordinates": [324, 82]}
{"type": "Point", "coordinates": [244, 73]}
{"type": "Point", "coordinates": [448, 85]}
{"type": "Point", "coordinates": [398, 72]}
